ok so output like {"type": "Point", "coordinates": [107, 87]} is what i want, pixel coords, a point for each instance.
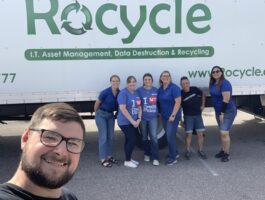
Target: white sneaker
{"type": "Point", "coordinates": [146, 158]}
{"type": "Point", "coordinates": [155, 162]}
{"type": "Point", "coordinates": [130, 164]}
{"type": "Point", "coordinates": [135, 162]}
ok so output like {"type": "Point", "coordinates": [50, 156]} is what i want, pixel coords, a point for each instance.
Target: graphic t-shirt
{"type": "Point", "coordinates": [149, 102]}
{"type": "Point", "coordinates": [132, 102]}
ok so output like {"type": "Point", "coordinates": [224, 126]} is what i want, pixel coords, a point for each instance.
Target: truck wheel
{"type": "Point", "coordinates": [161, 136]}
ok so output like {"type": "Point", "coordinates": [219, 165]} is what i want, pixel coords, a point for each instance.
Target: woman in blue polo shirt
{"type": "Point", "coordinates": [148, 126]}
{"type": "Point", "coordinates": [104, 107]}
{"type": "Point", "coordinates": [169, 101]}
{"type": "Point", "coordinates": [129, 118]}
{"type": "Point", "coordinates": [225, 109]}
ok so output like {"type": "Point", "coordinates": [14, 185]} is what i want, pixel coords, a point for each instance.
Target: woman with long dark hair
{"type": "Point", "coordinates": [225, 109]}
{"type": "Point", "coordinates": [148, 126]}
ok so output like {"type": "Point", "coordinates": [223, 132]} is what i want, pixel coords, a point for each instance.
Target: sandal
{"type": "Point", "coordinates": [106, 163]}
{"type": "Point", "coordinates": [113, 160]}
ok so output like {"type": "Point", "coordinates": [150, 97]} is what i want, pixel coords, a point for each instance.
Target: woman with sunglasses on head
{"type": "Point", "coordinates": [104, 108]}
{"type": "Point", "coordinates": [148, 126]}
{"type": "Point", "coordinates": [129, 118]}
{"type": "Point", "coordinates": [169, 100]}
{"type": "Point", "coordinates": [225, 109]}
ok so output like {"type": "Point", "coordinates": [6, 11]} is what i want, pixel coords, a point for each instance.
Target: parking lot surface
{"type": "Point", "coordinates": [242, 178]}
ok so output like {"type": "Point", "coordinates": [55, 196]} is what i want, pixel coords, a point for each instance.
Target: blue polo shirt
{"type": "Point", "coordinates": [132, 102]}
{"type": "Point", "coordinates": [108, 100]}
{"type": "Point", "coordinates": [149, 102]}
{"type": "Point", "coordinates": [166, 100]}
{"type": "Point", "coordinates": [217, 97]}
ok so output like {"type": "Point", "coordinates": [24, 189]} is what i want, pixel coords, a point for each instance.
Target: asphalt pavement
{"type": "Point", "coordinates": [242, 178]}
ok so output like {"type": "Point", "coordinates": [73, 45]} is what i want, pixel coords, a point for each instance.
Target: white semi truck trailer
{"type": "Point", "coordinates": [65, 50]}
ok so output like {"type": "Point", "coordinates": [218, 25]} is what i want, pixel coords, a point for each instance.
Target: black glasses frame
{"type": "Point", "coordinates": [41, 131]}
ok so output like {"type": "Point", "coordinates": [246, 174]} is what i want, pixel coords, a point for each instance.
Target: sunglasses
{"type": "Point", "coordinates": [216, 72]}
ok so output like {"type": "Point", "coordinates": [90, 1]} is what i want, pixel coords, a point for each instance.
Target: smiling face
{"type": "Point", "coordinates": [50, 167]}
{"type": "Point", "coordinates": [115, 82]}
{"type": "Point", "coordinates": [216, 73]}
{"type": "Point", "coordinates": [165, 78]}
{"type": "Point", "coordinates": [148, 81]}
{"type": "Point", "coordinates": [185, 84]}
{"type": "Point", "coordinates": [131, 84]}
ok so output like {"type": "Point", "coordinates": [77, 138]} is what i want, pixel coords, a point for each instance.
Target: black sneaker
{"type": "Point", "coordinates": [171, 162]}
{"type": "Point", "coordinates": [220, 154]}
{"type": "Point", "coordinates": [225, 158]}
{"type": "Point", "coordinates": [187, 155]}
{"type": "Point", "coordinates": [202, 155]}
{"type": "Point", "coordinates": [177, 156]}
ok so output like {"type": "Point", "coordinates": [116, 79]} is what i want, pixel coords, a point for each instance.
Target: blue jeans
{"type": "Point", "coordinates": [149, 128]}
{"type": "Point", "coordinates": [171, 129]}
{"type": "Point", "coordinates": [105, 123]}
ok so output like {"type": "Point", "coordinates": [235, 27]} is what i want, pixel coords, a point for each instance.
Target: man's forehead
{"type": "Point", "coordinates": [185, 81]}
{"type": "Point", "coordinates": [68, 129]}
{"type": "Point", "coordinates": [45, 123]}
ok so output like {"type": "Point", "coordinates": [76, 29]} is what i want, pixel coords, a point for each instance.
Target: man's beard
{"type": "Point", "coordinates": [37, 176]}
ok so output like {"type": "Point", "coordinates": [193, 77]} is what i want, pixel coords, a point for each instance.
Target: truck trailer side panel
{"type": "Point", "coordinates": [65, 51]}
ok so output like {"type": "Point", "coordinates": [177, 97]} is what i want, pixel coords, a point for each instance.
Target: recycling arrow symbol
{"type": "Point", "coordinates": [67, 24]}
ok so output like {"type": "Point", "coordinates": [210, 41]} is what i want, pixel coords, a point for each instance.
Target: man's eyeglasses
{"type": "Point", "coordinates": [216, 72]}
{"type": "Point", "coordinates": [53, 139]}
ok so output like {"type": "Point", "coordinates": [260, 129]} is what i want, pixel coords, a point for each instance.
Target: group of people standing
{"type": "Point", "coordinates": [52, 143]}
{"type": "Point", "coordinates": [138, 109]}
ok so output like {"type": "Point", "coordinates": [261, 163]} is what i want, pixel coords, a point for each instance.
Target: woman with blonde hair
{"type": "Point", "coordinates": [169, 101]}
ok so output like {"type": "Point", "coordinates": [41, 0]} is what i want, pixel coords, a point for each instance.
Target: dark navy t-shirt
{"type": "Point", "coordinates": [149, 102]}
{"type": "Point", "coordinates": [217, 98]}
{"type": "Point", "coordinates": [166, 100]}
{"type": "Point", "coordinates": [10, 191]}
{"type": "Point", "coordinates": [191, 101]}
{"type": "Point", "coordinates": [108, 100]}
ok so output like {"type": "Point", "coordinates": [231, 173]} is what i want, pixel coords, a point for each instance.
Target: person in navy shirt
{"type": "Point", "coordinates": [225, 109]}
{"type": "Point", "coordinates": [192, 102]}
{"type": "Point", "coordinates": [148, 126]}
{"type": "Point", "coordinates": [104, 108]}
{"type": "Point", "coordinates": [129, 118]}
{"type": "Point", "coordinates": [169, 100]}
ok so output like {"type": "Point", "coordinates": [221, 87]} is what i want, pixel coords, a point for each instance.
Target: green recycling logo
{"type": "Point", "coordinates": [77, 8]}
